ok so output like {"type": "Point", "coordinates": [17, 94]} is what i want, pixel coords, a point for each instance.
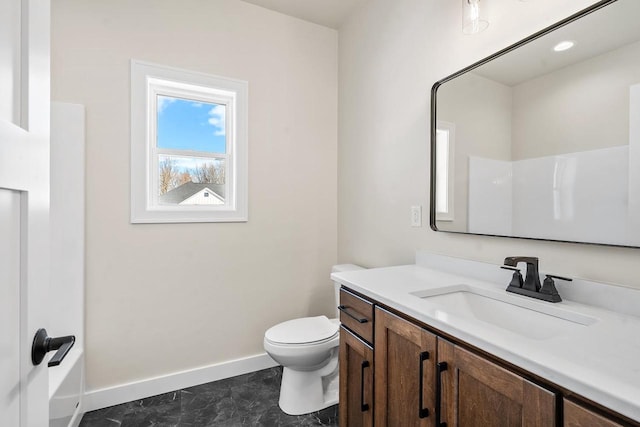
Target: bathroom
{"type": "Point", "coordinates": [338, 154]}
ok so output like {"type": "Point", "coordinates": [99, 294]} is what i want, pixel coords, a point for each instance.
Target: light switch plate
{"type": "Point", "coordinates": [416, 216]}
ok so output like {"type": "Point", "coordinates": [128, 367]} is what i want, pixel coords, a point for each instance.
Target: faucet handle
{"type": "Point", "coordinates": [549, 287]}
{"type": "Point", "coordinates": [553, 276]}
{"type": "Point", "coordinates": [516, 280]}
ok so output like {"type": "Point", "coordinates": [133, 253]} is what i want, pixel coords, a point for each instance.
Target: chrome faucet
{"type": "Point", "coordinates": [531, 285]}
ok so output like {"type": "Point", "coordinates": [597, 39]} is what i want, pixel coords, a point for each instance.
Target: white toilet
{"type": "Point", "coordinates": [307, 348]}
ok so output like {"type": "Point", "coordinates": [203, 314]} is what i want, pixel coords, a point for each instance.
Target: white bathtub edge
{"type": "Point", "coordinates": [77, 417]}
{"type": "Point", "coordinates": [110, 396]}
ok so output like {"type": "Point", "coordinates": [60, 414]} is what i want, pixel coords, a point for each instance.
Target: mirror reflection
{"type": "Point", "coordinates": [544, 141]}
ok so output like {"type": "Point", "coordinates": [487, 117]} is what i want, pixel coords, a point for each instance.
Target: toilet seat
{"type": "Point", "coordinates": [305, 330]}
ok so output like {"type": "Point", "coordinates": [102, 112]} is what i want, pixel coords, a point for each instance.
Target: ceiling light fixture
{"type": "Point", "coordinates": [474, 17]}
{"type": "Point", "coordinates": [564, 45]}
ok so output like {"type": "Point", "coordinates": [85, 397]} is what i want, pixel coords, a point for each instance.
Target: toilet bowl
{"type": "Point", "coordinates": [307, 348]}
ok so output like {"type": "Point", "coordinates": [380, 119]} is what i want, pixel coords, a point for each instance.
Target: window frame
{"type": "Point", "coordinates": [147, 82]}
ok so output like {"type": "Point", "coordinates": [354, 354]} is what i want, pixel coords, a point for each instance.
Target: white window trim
{"type": "Point", "coordinates": [149, 80]}
{"type": "Point", "coordinates": [451, 129]}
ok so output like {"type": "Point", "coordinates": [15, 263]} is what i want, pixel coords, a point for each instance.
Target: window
{"type": "Point", "coordinates": [445, 142]}
{"type": "Point", "coordinates": [188, 146]}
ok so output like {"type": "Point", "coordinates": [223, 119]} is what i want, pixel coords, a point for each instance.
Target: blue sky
{"type": "Point", "coordinates": [190, 125]}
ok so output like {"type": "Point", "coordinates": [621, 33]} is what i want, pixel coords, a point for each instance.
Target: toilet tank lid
{"type": "Point", "coordinates": [302, 331]}
{"type": "Point", "coordinates": [345, 267]}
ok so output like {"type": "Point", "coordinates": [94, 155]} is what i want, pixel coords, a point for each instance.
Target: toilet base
{"type": "Point", "coordinates": [303, 392]}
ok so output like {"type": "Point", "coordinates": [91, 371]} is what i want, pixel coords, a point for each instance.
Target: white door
{"type": "Point", "coordinates": [24, 208]}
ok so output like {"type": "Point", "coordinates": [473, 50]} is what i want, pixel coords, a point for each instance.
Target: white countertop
{"type": "Point", "coordinates": [600, 361]}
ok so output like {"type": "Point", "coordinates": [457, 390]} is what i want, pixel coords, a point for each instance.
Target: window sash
{"type": "Point", "coordinates": [157, 88]}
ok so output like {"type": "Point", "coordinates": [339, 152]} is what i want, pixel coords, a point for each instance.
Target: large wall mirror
{"type": "Point", "coordinates": [542, 140]}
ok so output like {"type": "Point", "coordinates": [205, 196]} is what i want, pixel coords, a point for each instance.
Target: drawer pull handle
{"type": "Point", "coordinates": [344, 309]}
{"type": "Point", "coordinates": [422, 412]}
{"type": "Point", "coordinates": [441, 367]}
{"type": "Point", "coordinates": [364, 407]}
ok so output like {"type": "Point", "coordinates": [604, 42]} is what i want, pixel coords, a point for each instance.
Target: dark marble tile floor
{"type": "Point", "coordinates": [246, 400]}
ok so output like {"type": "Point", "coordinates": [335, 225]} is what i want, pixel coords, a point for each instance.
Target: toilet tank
{"type": "Point", "coordinates": [336, 286]}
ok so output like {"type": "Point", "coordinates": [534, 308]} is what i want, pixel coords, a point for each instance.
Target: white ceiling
{"type": "Point", "coordinates": [600, 32]}
{"type": "Point", "coordinates": [330, 13]}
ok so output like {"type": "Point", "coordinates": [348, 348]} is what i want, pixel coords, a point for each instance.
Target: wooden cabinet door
{"type": "Point", "coordinates": [578, 416]}
{"type": "Point", "coordinates": [478, 393]}
{"type": "Point", "coordinates": [356, 381]}
{"type": "Point", "coordinates": [404, 351]}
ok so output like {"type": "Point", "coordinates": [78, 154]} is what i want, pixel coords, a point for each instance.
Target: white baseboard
{"type": "Point", "coordinates": [103, 398]}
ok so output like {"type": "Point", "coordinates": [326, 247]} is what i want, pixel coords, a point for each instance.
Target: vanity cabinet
{"type": "Point", "coordinates": [356, 381]}
{"type": "Point", "coordinates": [397, 373]}
{"type": "Point", "coordinates": [576, 415]}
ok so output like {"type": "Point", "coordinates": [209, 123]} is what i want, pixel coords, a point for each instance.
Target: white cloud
{"type": "Point", "coordinates": [163, 102]}
{"type": "Point", "coordinates": [217, 119]}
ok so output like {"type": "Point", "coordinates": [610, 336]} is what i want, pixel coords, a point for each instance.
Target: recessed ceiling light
{"type": "Point", "coordinates": [565, 45]}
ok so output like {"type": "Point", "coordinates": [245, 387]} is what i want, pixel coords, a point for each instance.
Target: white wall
{"type": "Point", "coordinates": [150, 310]}
{"type": "Point", "coordinates": [563, 102]}
{"type": "Point", "coordinates": [390, 55]}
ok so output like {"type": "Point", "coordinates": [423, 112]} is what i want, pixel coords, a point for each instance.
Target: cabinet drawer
{"type": "Point", "coordinates": [356, 314]}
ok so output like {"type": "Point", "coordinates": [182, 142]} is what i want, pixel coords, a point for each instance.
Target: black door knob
{"type": "Point", "coordinates": [43, 344]}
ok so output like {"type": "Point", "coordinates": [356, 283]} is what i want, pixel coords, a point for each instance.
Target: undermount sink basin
{"type": "Point", "coordinates": [531, 319]}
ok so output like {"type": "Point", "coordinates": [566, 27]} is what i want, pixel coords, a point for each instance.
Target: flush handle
{"type": "Point", "coordinates": [43, 344]}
